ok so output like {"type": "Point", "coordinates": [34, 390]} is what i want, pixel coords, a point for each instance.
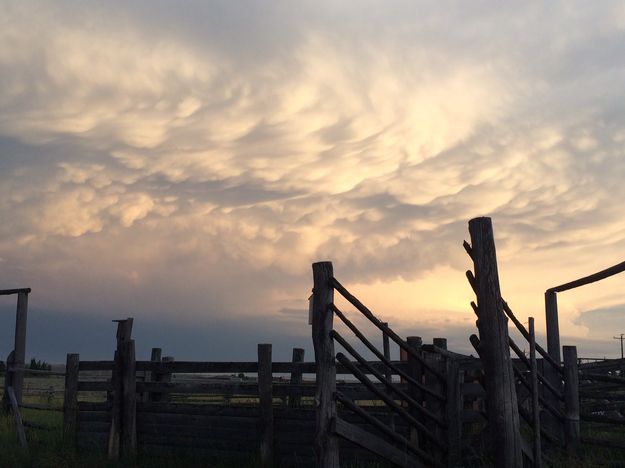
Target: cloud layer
{"type": "Point", "coordinates": [193, 162]}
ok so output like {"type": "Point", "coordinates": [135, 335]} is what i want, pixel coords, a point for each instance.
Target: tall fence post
{"type": "Point", "coordinates": [296, 377]}
{"type": "Point", "coordinates": [434, 405]}
{"type": "Point", "coordinates": [551, 423]}
{"type": "Point", "coordinates": [129, 399]}
{"type": "Point", "coordinates": [502, 409]}
{"type": "Point", "coordinates": [124, 331]}
{"type": "Point", "coordinates": [265, 394]}
{"type": "Point", "coordinates": [453, 410]}
{"type": "Point", "coordinates": [326, 441]}
{"type": "Point", "coordinates": [415, 370]}
{"type": "Point", "coordinates": [537, 449]}
{"type": "Point", "coordinates": [21, 319]}
{"type": "Point", "coordinates": [571, 399]}
{"type": "Point", "coordinates": [70, 398]}
{"type": "Point", "coordinates": [8, 382]}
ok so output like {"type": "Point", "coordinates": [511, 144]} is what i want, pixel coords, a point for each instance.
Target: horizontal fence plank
{"type": "Point", "coordinates": [611, 444]}
{"type": "Point", "coordinates": [94, 426]}
{"type": "Point", "coordinates": [201, 443]}
{"type": "Point", "coordinates": [95, 365]}
{"type": "Point", "coordinates": [222, 410]}
{"type": "Point", "coordinates": [41, 407]}
{"type": "Point", "coordinates": [94, 406]}
{"type": "Point", "coordinates": [251, 367]}
{"type": "Point", "coordinates": [172, 419]}
{"type": "Point", "coordinates": [602, 419]}
{"type": "Point", "coordinates": [94, 416]}
{"type": "Point", "coordinates": [94, 386]}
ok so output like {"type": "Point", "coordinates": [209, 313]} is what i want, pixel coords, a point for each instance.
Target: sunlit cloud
{"type": "Point", "coordinates": [196, 162]}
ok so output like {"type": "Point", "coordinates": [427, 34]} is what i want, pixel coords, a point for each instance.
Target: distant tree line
{"type": "Point", "coordinates": [37, 364]}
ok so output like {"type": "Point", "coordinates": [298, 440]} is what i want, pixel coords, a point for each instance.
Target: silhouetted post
{"type": "Point", "coordinates": [551, 423]}
{"type": "Point", "coordinates": [453, 409]}
{"type": "Point", "coordinates": [571, 399]}
{"type": "Point", "coordinates": [70, 399]}
{"type": "Point", "coordinates": [326, 442]}
{"type": "Point", "coordinates": [415, 370]}
{"type": "Point", "coordinates": [21, 318]}
{"type": "Point", "coordinates": [537, 449]}
{"type": "Point", "coordinates": [8, 382]}
{"type": "Point", "coordinates": [124, 331]}
{"type": "Point", "coordinates": [433, 404]}
{"type": "Point", "coordinates": [296, 377]}
{"type": "Point", "coordinates": [501, 403]}
{"type": "Point", "coordinates": [388, 373]}
{"type": "Point", "coordinates": [265, 394]}
{"type": "Point", "coordinates": [129, 396]}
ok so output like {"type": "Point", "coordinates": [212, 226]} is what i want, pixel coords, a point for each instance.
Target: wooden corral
{"type": "Point", "coordinates": [432, 407]}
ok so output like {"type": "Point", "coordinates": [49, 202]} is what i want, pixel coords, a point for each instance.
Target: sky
{"type": "Point", "coordinates": [184, 163]}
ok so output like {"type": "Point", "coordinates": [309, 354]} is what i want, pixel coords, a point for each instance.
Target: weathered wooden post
{"type": "Point", "coordinates": [502, 409]}
{"type": "Point", "coordinates": [388, 373]}
{"type": "Point", "coordinates": [296, 377]}
{"type": "Point", "coordinates": [8, 382]}
{"type": "Point", "coordinates": [453, 412]}
{"type": "Point", "coordinates": [571, 399]}
{"type": "Point", "coordinates": [553, 328]}
{"type": "Point", "coordinates": [265, 394]}
{"type": "Point", "coordinates": [70, 399]}
{"type": "Point", "coordinates": [124, 331]}
{"type": "Point", "coordinates": [129, 399]}
{"type": "Point", "coordinates": [415, 370]}
{"type": "Point", "coordinates": [21, 318]}
{"type": "Point", "coordinates": [326, 441]}
{"type": "Point", "coordinates": [537, 449]}
{"type": "Point", "coordinates": [551, 423]}
{"type": "Point", "coordinates": [432, 381]}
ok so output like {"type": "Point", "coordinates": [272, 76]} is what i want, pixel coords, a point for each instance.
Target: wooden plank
{"type": "Point", "coordinates": [7, 292]}
{"type": "Point", "coordinates": [94, 406]}
{"type": "Point", "coordinates": [91, 386]}
{"type": "Point", "coordinates": [70, 399]}
{"type": "Point", "coordinates": [571, 399]}
{"type": "Point", "coordinates": [379, 425]}
{"type": "Point", "coordinates": [234, 433]}
{"type": "Point", "coordinates": [401, 368]}
{"type": "Point", "coordinates": [95, 416]}
{"type": "Point", "coordinates": [326, 442]}
{"type": "Point", "coordinates": [374, 444]}
{"type": "Point", "coordinates": [494, 350]}
{"type": "Point", "coordinates": [388, 385]}
{"type": "Point", "coordinates": [373, 319]}
{"type": "Point", "coordinates": [394, 405]}
{"type": "Point", "coordinates": [19, 425]}
{"type": "Point", "coordinates": [155, 357]}
{"type": "Point", "coordinates": [96, 365]}
{"type": "Point", "coordinates": [266, 404]}
{"type": "Point", "coordinates": [611, 271]}
{"type": "Point", "coordinates": [296, 377]}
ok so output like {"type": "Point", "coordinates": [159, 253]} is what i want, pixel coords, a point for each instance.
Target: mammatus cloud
{"type": "Point", "coordinates": [194, 163]}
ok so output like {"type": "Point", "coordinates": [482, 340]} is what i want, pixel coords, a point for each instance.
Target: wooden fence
{"type": "Point", "coordinates": [432, 407]}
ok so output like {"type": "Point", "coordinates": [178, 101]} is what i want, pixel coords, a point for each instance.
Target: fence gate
{"type": "Point", "coordinates": [410, 414]}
